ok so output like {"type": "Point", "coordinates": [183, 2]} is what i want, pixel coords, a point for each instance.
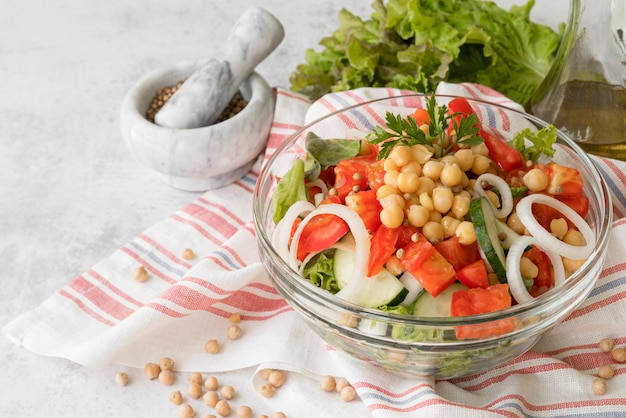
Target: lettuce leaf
{"type": "Point", "coordinates": [416, 44]}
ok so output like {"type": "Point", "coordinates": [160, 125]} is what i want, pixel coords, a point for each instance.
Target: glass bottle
{"type": "Point", "coordinates": [584, 93]}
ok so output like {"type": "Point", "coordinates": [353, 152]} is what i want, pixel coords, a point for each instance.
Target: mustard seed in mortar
{"type": "Point", "coordinates": [236, 104]}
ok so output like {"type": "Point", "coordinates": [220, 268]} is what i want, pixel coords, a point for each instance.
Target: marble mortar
{"type": "Point", "coordinates": [197, 159]}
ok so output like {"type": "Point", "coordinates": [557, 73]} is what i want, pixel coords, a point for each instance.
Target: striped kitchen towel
{"type": "Point", "coordinates": [105, 316]}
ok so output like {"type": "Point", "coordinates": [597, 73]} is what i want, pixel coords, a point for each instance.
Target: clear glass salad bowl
{"type": "Point", "coordinates": [421, 346]}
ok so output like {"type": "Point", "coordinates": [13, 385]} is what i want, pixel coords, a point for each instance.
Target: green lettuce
{"type": "Point", "coordinates": [290, 189]}
{"type": "Point", "coordinates": [416, 44]}
{"type": "Point", "coordinates": [320, 271]}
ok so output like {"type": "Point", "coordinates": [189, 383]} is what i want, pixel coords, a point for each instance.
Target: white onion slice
{"type": "Point", "coordinates": [575, 252]}
{"type": "Point", "coordinates": [282, 231]}
{"type": "Point", "coordinates": [361, 238]}
{"type": "Point", "coordinates": [513, 275]}
{"type": "Point", "coordinates": [506, 198]}
{"type": "Point", "coordinates": [412, 285]}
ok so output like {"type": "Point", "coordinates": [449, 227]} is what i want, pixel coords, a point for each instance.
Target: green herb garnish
{"type": "Point", "coordinates": [404, 131]}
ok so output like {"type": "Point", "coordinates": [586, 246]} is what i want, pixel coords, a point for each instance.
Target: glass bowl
{"type": "Point", "coordinates": [420, 346]}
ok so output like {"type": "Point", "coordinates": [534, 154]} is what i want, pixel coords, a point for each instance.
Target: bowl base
{"type": "Point", "coordinates": [204, 184]}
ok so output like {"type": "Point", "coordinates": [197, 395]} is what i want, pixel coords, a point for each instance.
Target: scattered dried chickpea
{"type": "Point", "coordinates": [210, 416]}
{"type": "Point", "coordinates": [279, 415]}
{"type": "Point", "coordinates": [328, 383]}
{"type": "Point", "coordinates": [212, 346]}
{"type": "Point", "coordinates": [235, 318]}
{"type": "Point", "coordinates": [265, 373]}
{"type": "Point", "coordinates": [211, 398]}
{"type": "Point", "coordinates": [121, 379]}
{"type": "Point", "coordinates": [244, 411]}
{"type": "Point", "coordinates": [211, 383]}
{"type": "Point", "coordinates": [222, 408]}
{"type": "Point", "coordinates": [606, 345]}
{"type": "Point", "coordinates": [267, 390]}
{"type": "Point", "coordinates": [166, 377]}
{"type": "Point", "coordinates": [194, 390]}
{"type": "Point", "coordinates": [606, 371]}
{"type": "Point", "coordinates": [151, 370]}
{"type": "Point", "coordinates": [341, 383]}
{"type": "Point", "coordinates": [188, 254]}
{"type": "Point", "coordinates": [186, 411]}
{"type": "Point", "coordinates": [195, 377]}
{"type": "Point", "coordinates": [228, 392]}
{"type": "Point", "coordinates": [233, 332]}
{"type": "Point", "coordinates": [175, 397]}
{"type": "Point", "coordinates": [348, 393]}
{"type": "Point", "coordinates": [276, 378]}
{"type": "Point", "coordinates": [140, 274]}
{"type": "Point", "coordinates": [598, 386]}
{"type": "Point", "coordinates": [166, 363]}
{"type": "Point", "coordinates": [619, 355]}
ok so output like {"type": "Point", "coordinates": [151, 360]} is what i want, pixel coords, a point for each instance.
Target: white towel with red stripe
{"type": "Point", "coordinates": [104, 316]}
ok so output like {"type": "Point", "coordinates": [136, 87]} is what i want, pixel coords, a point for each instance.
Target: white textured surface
{"type": "Point", "coordinates": [70, 191]}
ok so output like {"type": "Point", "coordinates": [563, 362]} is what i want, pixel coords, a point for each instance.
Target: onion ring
{"type": "Point", "coordinates": [506, 197]}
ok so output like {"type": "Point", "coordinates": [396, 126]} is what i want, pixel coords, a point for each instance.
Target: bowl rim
{"type": "Point", "coordinates": [576, 280]}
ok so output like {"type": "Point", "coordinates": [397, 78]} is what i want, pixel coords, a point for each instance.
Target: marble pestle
{"type": "Point", "coordinates": [206, 93]}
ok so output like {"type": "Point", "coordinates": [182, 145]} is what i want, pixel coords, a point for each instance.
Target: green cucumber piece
{"type": "Point", "coordinates": [430, 306]}
{"type": "Point", "coordinates": [487, 236]}
{"type": "Point", "coordinates": [506, 235]}
{"type": "Point", "coordinates": [381, 289]}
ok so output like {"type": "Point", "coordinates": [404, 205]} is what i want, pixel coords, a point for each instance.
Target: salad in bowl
{"type": "Point", "coordinates": [432, 235]}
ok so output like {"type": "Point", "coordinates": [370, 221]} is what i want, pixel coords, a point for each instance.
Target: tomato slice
{"type": "Point", "coordinates": [351, 175]}
{"type": "Point", "coordinates": [562, 181]}
{"type": "Point", "coordinates": [366, 205]}
{"type": "Point", "coordinates": [428, 266]}
{"type": "Point", "coordinates": [474, 275]}
{"type": "Point", "coordinates": [382, 246]}
{"type": "Point", "coordinates": [421, 116]}
{"type": "Point", "coordinates": [545, 277]}
{"type": "Point", "coordinates": [502, 154]}
{"type": "Point", "coordinates": [376, 174]}
{"type": "Point", "coordinates": [319, 233]}
{"type": "Point", "coordinates": [457, 254]}
{"type": "Point", "coordinates": [478, 300]}
{"type": "Point", "coordinates": [461, 106]}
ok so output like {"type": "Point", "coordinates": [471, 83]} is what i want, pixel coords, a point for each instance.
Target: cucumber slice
{"type": "Point", "coordinates": [381, 289]}
{"type": "Point", "coordinates": [487, 236]}
{"type": "Point", "coordinates": [505, 234]}
{"type": "Point", "coordinates": [429, 306]}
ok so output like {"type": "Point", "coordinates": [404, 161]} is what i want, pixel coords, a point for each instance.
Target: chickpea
{"type": "Point", "coordinates": [528, 269]}
{"type": "Point", "coordinates": [400, 155]}
{"type": "Point", "coordinates": [385, 190]}
{"type": "Point", "coordinates": [244, 411]}
{"type": "Point", "coordinates": [598, 386]}
{"type": "Point", "coordinates": [571, 265]}
{"type": "Point", "coordinates": [348, 393]}
{"type": "Point", "coordinates": [267, 390]}
{"type": "Point", "coordinates": [391, 178]}
{"type": "Point", "coordinates": [228, 392]}
{"type": "Point", "coordinates": [432, 169]}
{"type": "Point", "coordinates": [606, 345]}
{"type": "Point", "coordinates": [341, 383]}
{"type": "Point", "coordinates": [460, 206]}
{"type": "Point", "coordinates": [211, 398]}
{"type": "Point", "coordinates": [279, 415]}
{"type": "Point", "coordinates": [619, 355]}
{"type": "Point", "coordinates": [412, 167]}
{"type": "Point", "coordinates": [151, 370]}
{"type": "Point", "coordinates": [480, 165]}
{"type": "Point", "coordinates": [574, 237]}
{"type": "Point", "coordinates": [188, 254]}
{"type": "Point", "coordinates": [426, 201]}
{"type": "Point", "coordinates": [265, 373]}
{"type": "Point", "coordinates": [515, 223]}
{"type": "Point", "coordinates": [418, 215]}
{"type": "Point", "coordinates": [390, 165]}
{"type": "Point", "coordinates": [408, 182]}
{"type": "Point", "coordinates": [391, 200]}
{"type": "Point", "coordinates": [212, 346]}
{"type": "Point", "coordinates": [536, 180]}
{"type": "Point", "coordinates": [233, 332]}
{"type": "Point", "coordinates": [276, 378]}
{"type": "Point", "coordinates": [186, 411]}
{"type": "Point", "coordinates": [442, 199]}
{"type": "Point", "coordinates": [166, 363]}
{"type": "Point", "coordinates": [392, 216]}
{"type": "Point", "coordinates": [176, 397]}
{"type": "Point", "coordinates": [449, 225]}
{"type": "Point", "coordinates": [421, 153]}
{"type": "Point", "coordinates": [121, 379]}
{"type": "Point", "coordinates": [606, 371]}
{"type": "Point", "coordinates": [211, 383]}
{"type": "Point", "coordinates": [426, 186]}
{"type": "Point", "coordinates": [433, 232]}
{"type": "Point", "coordinates": [194, 390]}
{"type": "Point", "coordinates": [166, 377]}
{"type": "Point", "coordinates": [140, 274]}
{"type": "Point", "coordinates": [451, 175]}
{"type": "Point", "coordinates": [465, 233]}
{"type": "Point", "coordinates": [222, 408]}
{"type": "Point", "coordinates": [480, 149]}
{"type": "Point", "coordinates": [465, 158]}
{"type": "Point", "coordinates": [235, 318]}
{"type": "Point", "coordinates": [328, 383]}
{"type": "Point", "coordinates": [558, 227]}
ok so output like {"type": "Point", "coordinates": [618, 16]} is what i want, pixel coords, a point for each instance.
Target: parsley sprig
{"type": "Point", "coordinates": [404, 131]}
